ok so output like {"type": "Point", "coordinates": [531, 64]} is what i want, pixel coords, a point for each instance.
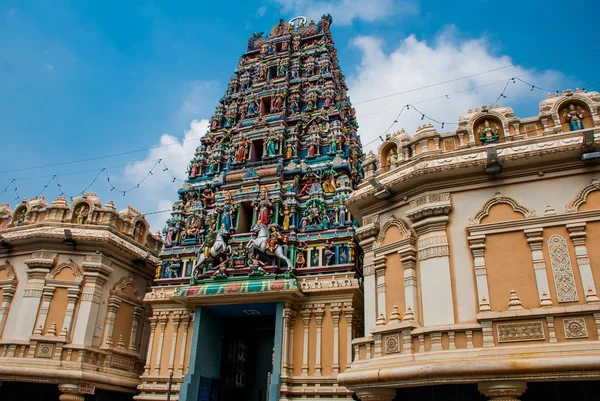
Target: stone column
{"type": "Point", "coordinates": [502, 391]}
{"type": "Point", "coordinates": [319, 312]}
{"type": "Point", "coordinates": [176, 322]}
{"type": "Point", "coordinates": [335, 315]}
{"type": "Point", "coordinates": [306, 314]}
{"type": "Point", "coordinates": [434, 269]}
{"type": "Point", "coordinates": [290, 363]}
{"type": "Point", "coordinates": [70, 392]}
{"type": "Point", "coordinates": [7, 296]}
{"type": "Point", "coordinates": [348, 312]}
{"type": "Point", "coordinates": [47, 294]}
{"type": "Point", "coordinates": [113, 306]}
{"type": "Point", "coordinates": [577, 234]}
{"type": "Point", "coordinates": [409, 262]}
{"type": "Point", "coordinates": [137, 315]}
{"type": "Point", "coordinates": [89, 305]}
{"type": "Point", "coordinates": [186, 324]}
{"type": "Point", "coordinates": [380, 282]}
{"type": "Point", "coordinates": [285, 342]}
{"type": "Point", "coordinates": [536, 241]}
{"type": "Point", "coordinates": [366, 234]}
{"type": "Point", "coordinates": [162, 319]}
{"type": "Point", "coordinates": [39, 265]}
{"type": "Point", "coordinates": [153, 321]}
{"type": "Point", "coordinates": [477, 245]}
{"type": "Point", "coordinates": [72, 297]}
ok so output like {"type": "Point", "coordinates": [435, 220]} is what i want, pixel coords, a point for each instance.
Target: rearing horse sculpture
{"type": "Point", "coordinates": [219, 248]}
{"type": "Point", "coordinates": [260, 243]}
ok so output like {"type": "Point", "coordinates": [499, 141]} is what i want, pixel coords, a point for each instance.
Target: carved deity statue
{"type": "Point", "coordinates": [309, 179]}
{"type": "Point", "coordinates": [287, 214]}
{"type": "Point", "coordinates": [488, 132]}
{"type": "Point", "coordinates": [574, 117]}
{"type": "Point", "coordinates": [271, 145]}
{"type": "Point", "coordinates": [240, 154]}
{"type": "Point", "coordinates": [392, 159]}
{"type": "Point", "coordinates": [264, 208]}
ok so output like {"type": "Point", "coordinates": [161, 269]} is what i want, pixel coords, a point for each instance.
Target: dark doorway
{"type": "Point", "coordinates": [246, 358]}
{"type": "Point", "coordinates": [245, 217]}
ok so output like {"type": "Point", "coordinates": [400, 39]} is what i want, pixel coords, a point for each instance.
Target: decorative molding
{"type": "Point", "coordinates": [575, 328]}
{"type": "Point", "coordinates": [524, 331]}
{"type": "Point", "coordinates": [392, 343]}
{"type": "Point", "coordinates": [45, 350]}
{"type": "Point", "coordinates": [393, 221]}
{"type": "Point", "coordinates": [70, 265]}
{"type": "Point", "coordinates": [498, 199]}
{"type": "Point", "coordinates": [433, 247]}
{"type": "Point", "coordinates": [564, 280]}
{"type": "Point", "coordinates": [581, 197]}
{"type": "Point", "coordinates": [429, 205]}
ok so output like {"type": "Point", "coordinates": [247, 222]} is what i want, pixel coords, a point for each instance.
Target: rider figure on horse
{"type": "Point", "coordinates": [275, 238]}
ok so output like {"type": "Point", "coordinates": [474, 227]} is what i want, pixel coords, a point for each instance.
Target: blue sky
{"type": "Point", "coordinates": [82, 80]}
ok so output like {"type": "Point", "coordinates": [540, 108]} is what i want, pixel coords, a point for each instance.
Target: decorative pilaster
{"type": "Point", "coordinates": [89, 303]}
{"type": "Point", "coordinates": [349, 314]}
{"type": "Point", "coordinates": [176, 322]}
{"type": "Point", "coordinates": [408, 257]}
{"type": "Point", "coordinates": [153, 321]}
{"type": "Point", "coordinates": [186, 324]}
{"type": "Point", "coordinates": [72, 297]}
{"type": "Point", "coordinates": [290, 363]}
{"type": "Point", "coordinates": [380, 282]}
{"type": "Point", "coordinates": [306, 315]}
{"type": "Point", "coordinates": [578, 234]}
{"type": "Point", "coordinates": [137, 315]}
{"type": "Point", "coordinates": [162, 320]}
{"type": "Point", "coordinates": [319, 311]}
{"type": "Point", "coordinates": [367, 234]}
{"type": "Point", "coordinates": [535, 241]}
{"type": "Point", "coordinates": [47, 294]}
{"type": "Point", "coordinates": [285, 342]}
{"type": "Point", "coordinates": [502, 391]}
{"type": "Point", "coordinates": [113, 307]}
{"type": "Point", "coordinates": [335, 316]}
{"type": "Point", "coordinates": [477, 245]}
{"type": "Point", "coordinates": [7, 296]}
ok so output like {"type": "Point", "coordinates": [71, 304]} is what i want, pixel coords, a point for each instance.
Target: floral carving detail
{"type": "Point", "coordinates": [392, 343]}
{"type": "Point", "coordinates": [529, 331]}
{"type": "Point", "coordinates": [575, 328]}
{"type": "Point", "coordinates": [562, 270]}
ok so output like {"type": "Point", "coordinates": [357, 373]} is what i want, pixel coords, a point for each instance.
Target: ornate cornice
{"type": "Point", "coordinates": [429, 205]}
{"type": "Point", "coordinates": [497, 199]}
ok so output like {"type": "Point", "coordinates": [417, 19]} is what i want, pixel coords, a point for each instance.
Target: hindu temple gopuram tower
{"type": "Point", "coordinates": [258, 295]}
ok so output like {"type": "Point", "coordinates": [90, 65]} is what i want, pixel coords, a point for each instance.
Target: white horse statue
{"type": "Point", "coordinates": [260, 243]}
{"type": "Point", "coordinates": [219, 248]}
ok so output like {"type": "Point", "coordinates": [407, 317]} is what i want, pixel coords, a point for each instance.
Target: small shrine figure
{"type": "Point", "coordinates": [300, 259]}
{"type": "Point", "coordinates": [252, 107]}
{"type": "Point", "coordinates": [271, 145]}
{"type": "Point", "coordinates": [172, 268]}
{"type": "Point", "coordinates": [157, 272]}
{"type": "Point", "coordinates": [227, 211]}
{"type": "Point", "coordinates": [82, 215]}
{"type": "Point", "coordinates": [343, 256]}
{"type": "Point", "coordinates": [329, 253]}
{"type": "Point", "coordinates": [263, 207]}
{"type": "Point", "coordinates": [488, 133]}
{"type": "Point", "coordinates": [170, 237]}
{"type": "Point", "coordinates": [342, 213]}
{"type": "Point", "coordinates": [285, 46]}
{"type": "Point", "coordinates": [392, 159]}
{"type": "Point", "coordinates": [282, 71]}
{"type": "Point", "coordinates": [208, 197]}
{"type": "Point", "coordinates": [277, 103]}
{"type": "Point", "coordinates": [257, 265]}
{"type": "Point", "coordinates": [573, 117]}
{"type": "Point", "coordinates": [221, 269]}
{"type": "Point", "coordinates": [240, 154]}
{"type": "Point", "coordinates": [329, 179]}
{"type": "Point", "coordinates": [240, 256]}
{"type": "Point", "coordinates": [287, 214]}
{"type": "Point", "coordinates": [309, 66]}
{"type": "Point", "coordinates": [309, 179]}
{"type": "Point", "coordinates": [288, 151]}
{"type": "Point", "coordinates": [296, 43]}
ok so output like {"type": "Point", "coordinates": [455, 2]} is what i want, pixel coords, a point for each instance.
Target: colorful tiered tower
{"type": "Point", "coordinates": [279, 160]}
{"type": "Point", "coordinates": [262, 227]}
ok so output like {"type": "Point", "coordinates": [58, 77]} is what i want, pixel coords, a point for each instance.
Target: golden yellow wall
{"type": "Point", "coordinates": [123, 323]}
{"type": "Point", "coordinates": [58, 306]}
{"type": "Point", "coordinates": [509, 266]}
{"type": "Point", "coordinates": [394, 283]}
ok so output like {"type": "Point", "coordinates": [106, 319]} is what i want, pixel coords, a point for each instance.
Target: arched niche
{"type": "Point", "coordinates": [82, 212]}
{"type": "Point", "coordinates": [392, 231]}
{"type": "Point", "coordinates": [574, 113]}
{"type": "Point", "coordinates": [388, 155]}
{"type": "Point", "coordinates": [518, 211]}
{"type": "Point", "coordinates": [488, 129]}
{"type": "Point", "coordinates": [19, 215]}
{"type": "Point", "coordinates": [124, 315]}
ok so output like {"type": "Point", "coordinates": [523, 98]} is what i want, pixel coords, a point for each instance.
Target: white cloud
{"type": "Point", "coordinates": [199, 99]}
{"type": "Point", "coordinates": [261, 11]}
{"type": "Point", "coordinates": [158, 192]}
{"type": "Point", "coordinates": [414, 64]}
{"type": "Point", "coordinates": [346, 11]}
{"type": "Point", "coordinates": [49, 67]}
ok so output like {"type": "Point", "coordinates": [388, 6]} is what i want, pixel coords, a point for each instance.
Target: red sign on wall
{"type": "Point", "coordinates": [85, 388]}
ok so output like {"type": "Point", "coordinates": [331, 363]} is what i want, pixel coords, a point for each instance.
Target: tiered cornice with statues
{"type": "Point", "coordinates": [262, 216]}
{"type": "Point", "coordinates": [72, 279]}
{"type": "Point", "coordinates": [479, 263]}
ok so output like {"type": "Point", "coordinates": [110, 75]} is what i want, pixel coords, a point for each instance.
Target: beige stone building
{"type": "Point", "coordinates": [72, 280]}
{"type": "Point", "coordinates": [482, 259]}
